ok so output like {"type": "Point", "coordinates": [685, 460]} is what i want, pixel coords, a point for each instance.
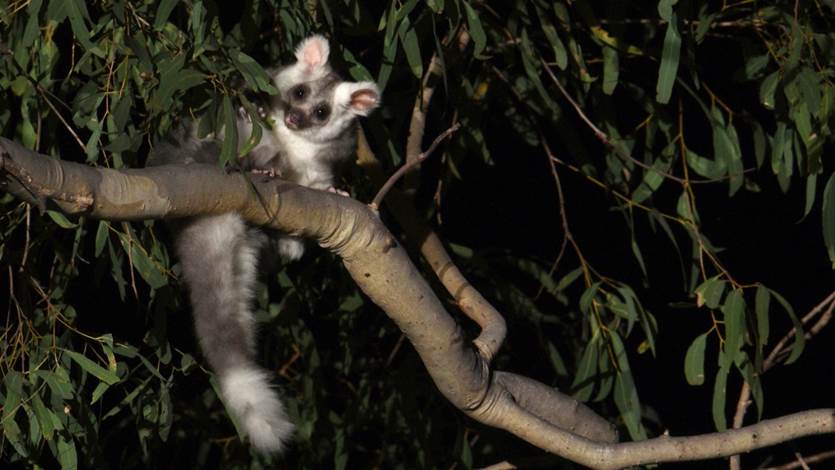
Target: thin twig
{"type": "Point", "coordinates": [395, 349]}
{"type": "Point", "coordinates": [61, 118]}
{"type": "Point", "coordinates": [827, 306]}
{"type": "Point", "coordinates": [375, 204]}
{"type": "Point", "coordinates": [567, 237]}
{"type": "Point", "coordinates": [829, 454]}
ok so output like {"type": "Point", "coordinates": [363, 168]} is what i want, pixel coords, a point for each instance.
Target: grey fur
{"type": "Point", "coordinates": [219, 254]}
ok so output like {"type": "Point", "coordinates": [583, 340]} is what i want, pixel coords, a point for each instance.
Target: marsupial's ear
{"type": "Point", "coordinates": [311, 64]}
{"type": "Point", "coordinates": [312, 53]}
{"type": "Point", "coordinates": [360, 98]}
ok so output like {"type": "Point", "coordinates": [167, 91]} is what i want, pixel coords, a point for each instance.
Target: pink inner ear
{"type": "Point", "coordinates": [312, 54]}
{"type": "Point", "coordinates": [363, 100]}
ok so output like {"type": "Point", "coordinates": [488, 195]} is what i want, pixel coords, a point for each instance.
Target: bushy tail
{"type": "Point", "coordinates": [219, 259]}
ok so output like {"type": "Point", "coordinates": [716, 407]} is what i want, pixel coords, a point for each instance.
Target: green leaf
{"type": "Point", "coordinates": [230, 135]}
{"type": "Point", "coordinates": [163, 12]}
{"type": "Point", "coordinates": [611, 69]}
{"type": "Point", "coordinates": [694, 361]}
{"type": "Point", "coordinates": [669, 60]}
{"type": "Point", "coordinates": [706, 167]}
{"type": "Point", "coordinates": [253, 140]}
{"type": "Point", "coordinates": [99, 391]}
{"type": "Point", "coordinates": [736, 170]}
{"type": "Point", "coordinates": [654, 176]}
{"type": "Point", "coordinates": [626, 392]}
{"type": "Point", "coordinates": [253, 73]}
{"type": "Point", "coordinates": [583, 384]}
{"type": "Point", "coordinates": [734, 311]}
{"type": "Point", "coordinates": [761, 306]}
{"type": "Point", "coordinates": [476, 31]}
{"type": "Point", "coordinates": [77, 13]}
{"type": "Point", "coordinates": [173, 78]}
{"type": "Point", "coordinates": [665, 9]}
{"type": "Point", "coordinates": [32, 30]}
{"type": "Point", "coordinates": [809, 84]}
{"type": "Point", "coordinates": [101, 237]}
{"type": "Point", "coordinates": [606, 373]}
{"type": "Point", "coordinates": [67, 455]}
{"type": "Point", "coordinates": [768, 88]}
{"type": "Point", "coordinates": [828, 218]}
{"type": "Point", "coordinates": [710, 292]}
{"type": "Point", "coordinates": [14, 392]}
{"type": "Point", "coordinates": [60, 219]}
{"type": "Point", "coordinates": [144, 265]}
{"type": "Point", "coordinates": [726, 149]}
{"type": "Point", "coordinates": [436, 5]}
{"type": "Point", "coordinates": [94, 369]}
{"type": "Point", "coordinates": [569, 279]}
{"type": "Point", "coordinates": [781, 155]}
{"type": "Point", "coordinates": [588, 296]}
{"type": "Point", "coordinates": [799, 335]}
{"type": "Point", "coordinates": [556, 360]}
{"type": "Point", "coordinates": [58, 382]}
{"type": "Point", "coordinates": [557, 46]}
{"type": "Point", "coordinates": [409, 39]}
{"type": "Point", "coordinates": [720, 394]}
{"type": "Point", "coordinates": [44, 417]}
{"type": "Point", "coordinates": [811, 187]}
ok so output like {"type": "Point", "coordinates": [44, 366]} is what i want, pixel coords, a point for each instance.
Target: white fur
{"type": "Point", "coordinates": [311, 63]}
{"type": "Point", "coordinates": [301, 151]}
{"type": "Point", "coordinates": [248, 394]}
{"type": "Point", "coordinates": [290, 248]}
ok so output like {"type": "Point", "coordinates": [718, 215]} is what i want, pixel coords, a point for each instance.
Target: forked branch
{"type": "Point", "coordinates": [532, 411]}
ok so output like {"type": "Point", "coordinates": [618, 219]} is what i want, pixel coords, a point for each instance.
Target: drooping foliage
{"type": "Point", "coordinates": [598, 141]}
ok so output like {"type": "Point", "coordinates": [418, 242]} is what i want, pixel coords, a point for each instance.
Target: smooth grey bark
{"type": "Point", "coordinates": [532, 411]}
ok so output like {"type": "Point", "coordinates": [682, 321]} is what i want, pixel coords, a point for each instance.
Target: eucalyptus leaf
{"type": "Point", "coordinates": [694, 361]}
{"type": "Point", "coordinates": [669, 60]}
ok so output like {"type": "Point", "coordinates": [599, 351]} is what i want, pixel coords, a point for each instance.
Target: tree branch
{"type": "Point", "coordinates": [381, 268]}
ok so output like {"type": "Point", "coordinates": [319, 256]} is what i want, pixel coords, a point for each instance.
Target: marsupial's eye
{"type": "Point", "coordinates": [321, 112]}
{"type": "Point", "coordinates": [299, 92]}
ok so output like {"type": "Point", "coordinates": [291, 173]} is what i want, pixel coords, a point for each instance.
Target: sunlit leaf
{"type": "Point", "coordinates": [734, 312]}
{"type": "Point", "coordinates": [720, 394]}
{"type": "Point", "coordinates": [694, 361]}
{"type": "Point", "coordinates": [767, 89]}
{"type": "Point", "coordinates": [710, 292]}
{"type": "Point", "coordinates": [102, 233]}
{"type": "Point", "coordinates": [60, 219]}
{"type": "Point", "coordinates": [94, 369]}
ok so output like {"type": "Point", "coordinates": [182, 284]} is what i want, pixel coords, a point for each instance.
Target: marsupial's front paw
{"type": "Point", "coordinates": [335, 190]}
{"type": "Point", "coordinates": [269, 172]}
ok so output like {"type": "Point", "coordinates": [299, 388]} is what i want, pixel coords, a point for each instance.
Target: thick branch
{"type": "Point", "coordinates": [383, 270]}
